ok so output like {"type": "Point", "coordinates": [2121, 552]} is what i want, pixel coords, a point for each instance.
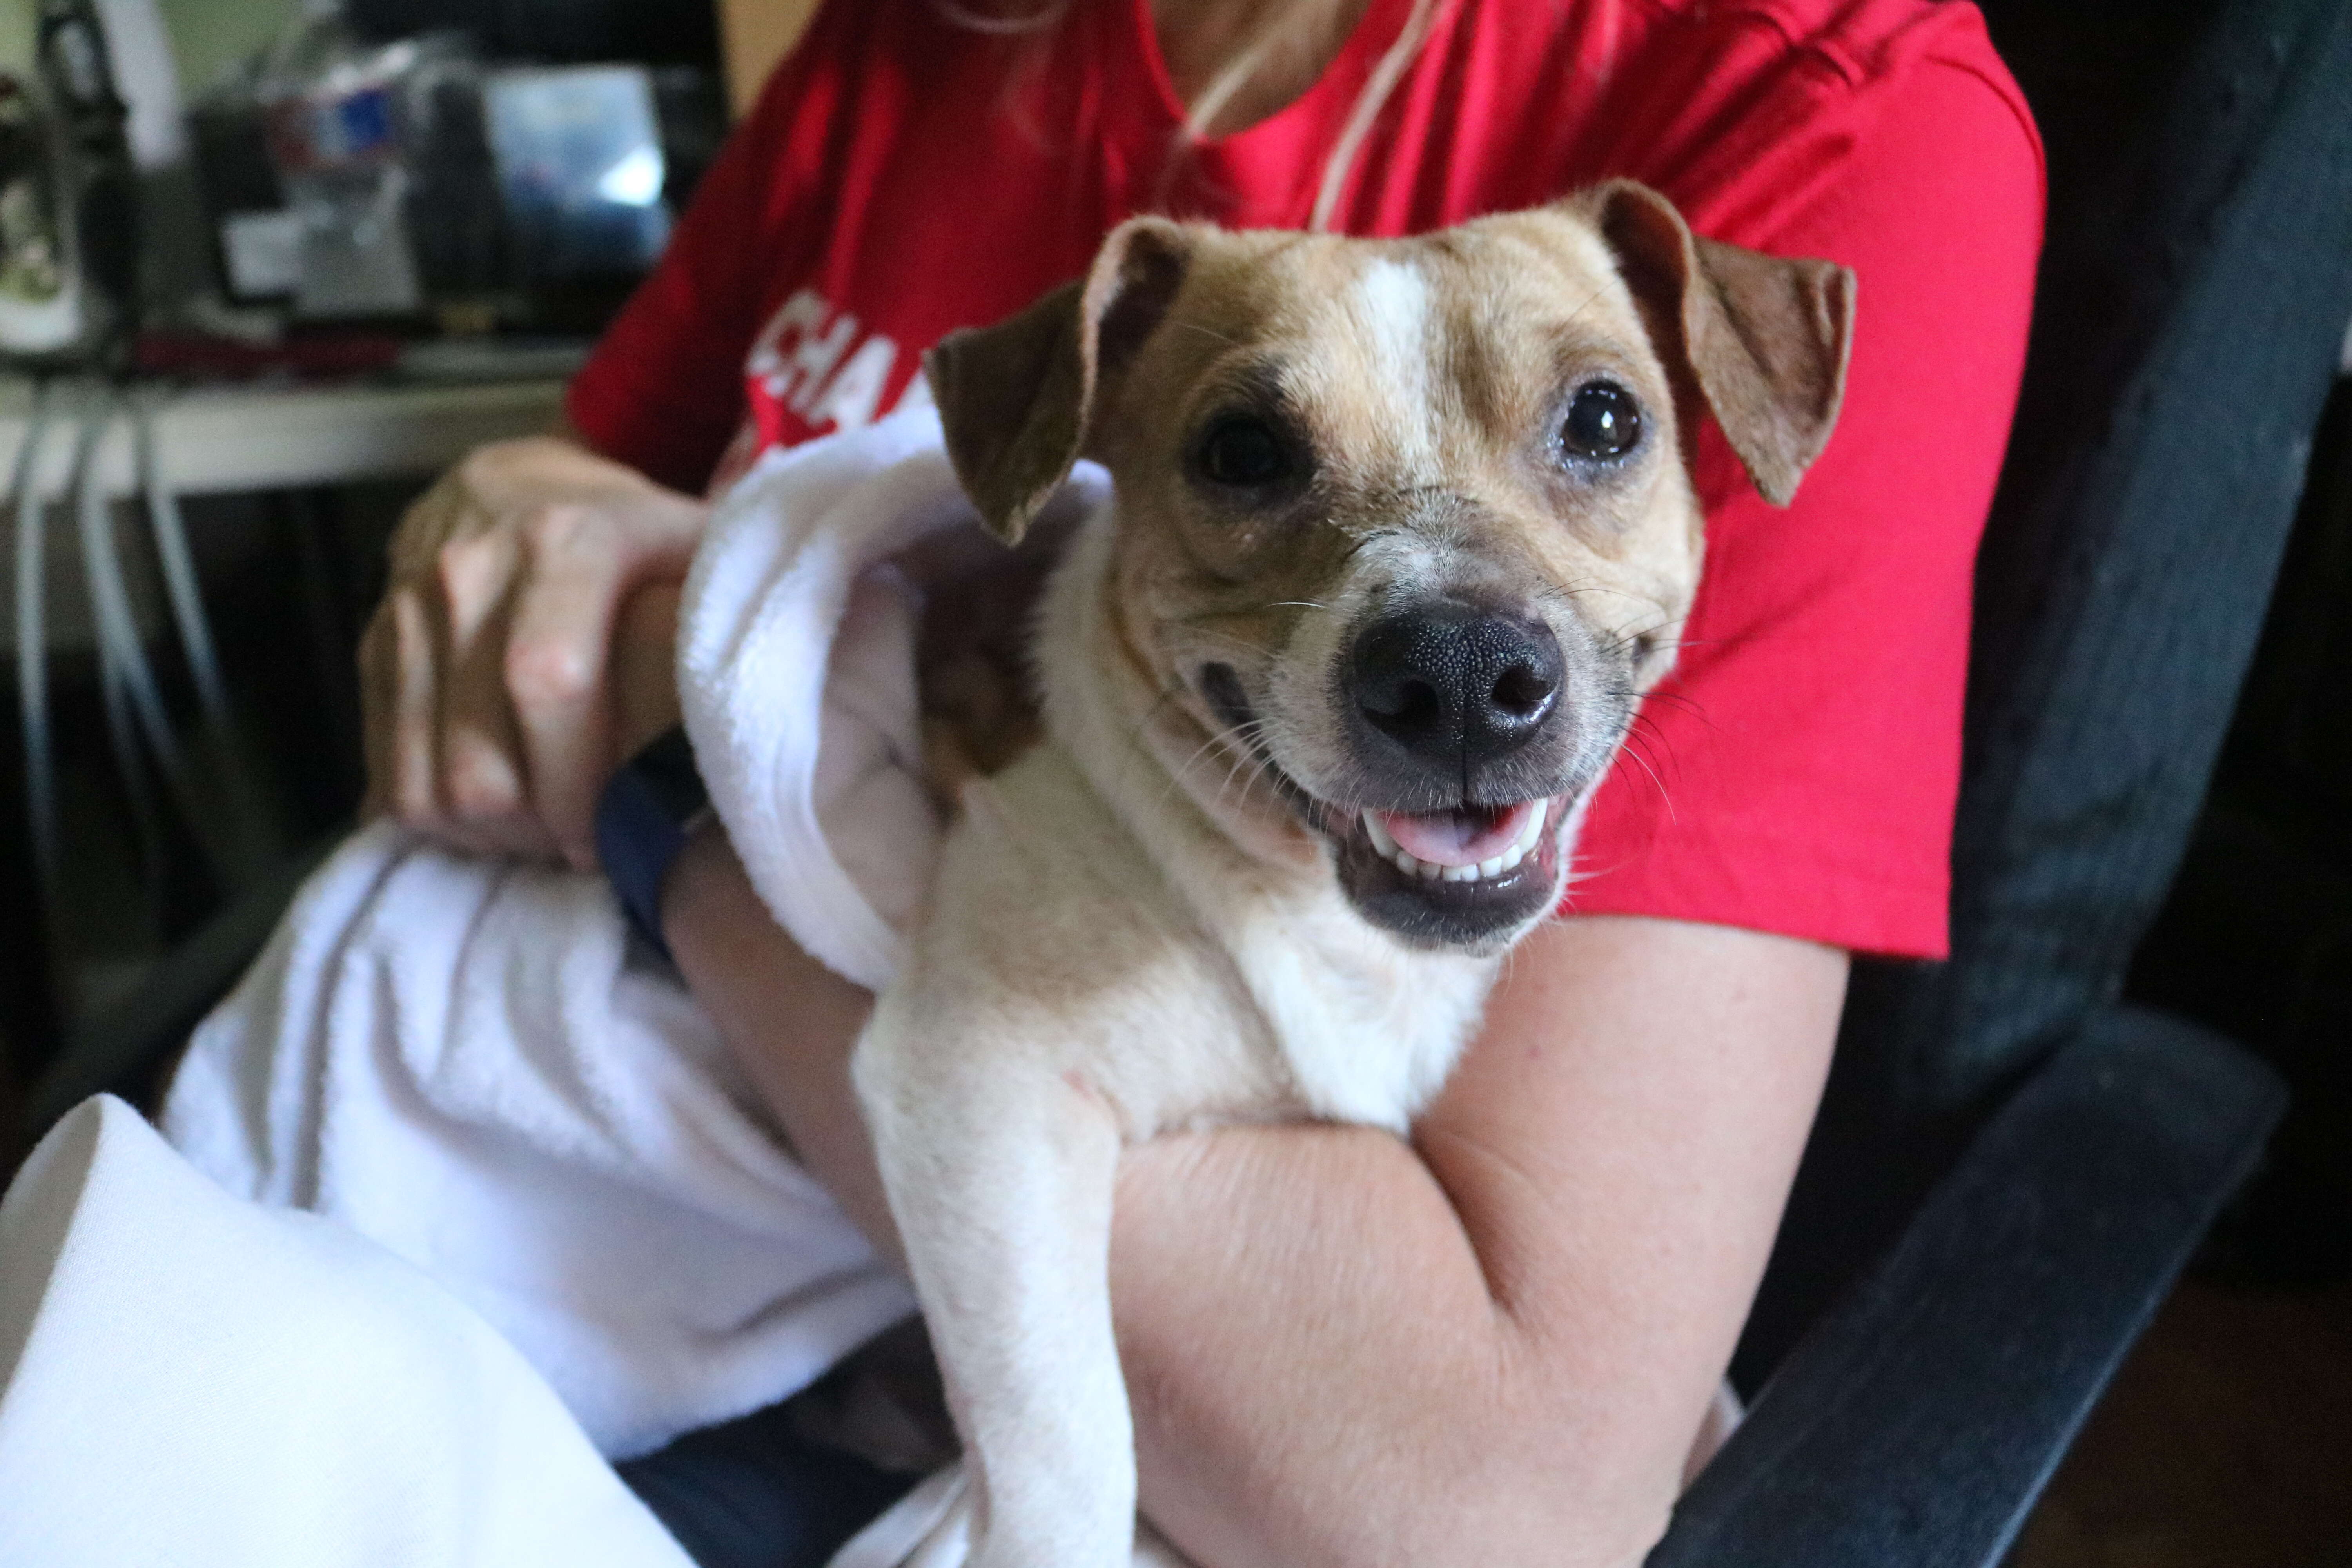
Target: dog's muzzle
{"type": "Point", "coordinates": [1467, 749]}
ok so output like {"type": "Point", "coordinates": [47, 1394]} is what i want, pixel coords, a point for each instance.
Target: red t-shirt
{"type": "Point", "coordinates": [902, 176]}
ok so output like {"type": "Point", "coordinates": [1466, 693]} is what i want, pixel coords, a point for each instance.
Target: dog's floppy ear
{"type": "Point", "coordinates": [1763, 340]}
{"type": "Point", "coordinates": [1015, 399]}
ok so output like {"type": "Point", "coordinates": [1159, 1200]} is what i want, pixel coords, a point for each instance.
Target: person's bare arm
{"type": "Point", "coordinates": [788, 1019]}
{"type": "Point", "coordinates": [1492, 1347]}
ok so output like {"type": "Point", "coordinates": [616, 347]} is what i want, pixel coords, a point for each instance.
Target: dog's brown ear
{"type": "Point", "coordinates": [1763, 340]}
{"type": "Point", "coordinates": [1015, 399]}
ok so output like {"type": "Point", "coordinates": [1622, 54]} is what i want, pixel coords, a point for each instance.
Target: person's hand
{"type": "Point", "coordinates": [514, 661]}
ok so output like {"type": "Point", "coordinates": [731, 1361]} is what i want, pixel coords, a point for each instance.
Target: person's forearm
{"type": "Point", "coordinates": [1324, 1373]}
{"type": "Point", "coordinates": [789, 1021]}
{"type": "Point", "coordinates": [1495, 1347]}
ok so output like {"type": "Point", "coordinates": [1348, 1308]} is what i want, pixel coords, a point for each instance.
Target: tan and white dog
{"type": "Point", "coordinates": [1403, 530]}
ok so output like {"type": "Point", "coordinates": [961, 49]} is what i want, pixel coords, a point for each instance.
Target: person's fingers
{"type": "Point", "coordinates": [581, 564]}
{"type": "Point", "coordinates": [413, 754]}
{"type": "Point", "coordinates": [555, 663]}
{"type": "Point", "coordinates": [435, 518]}
{"type": "Point", "coordinates": [484, 784]}
{"type": "Point", "coordinates": [488, 694]}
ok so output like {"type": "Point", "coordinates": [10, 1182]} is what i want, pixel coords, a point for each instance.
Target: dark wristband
{"type": "Point", "coordinates": [647, 808]}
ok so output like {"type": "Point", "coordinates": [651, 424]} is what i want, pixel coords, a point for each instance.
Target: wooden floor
{"type": "Point", "coordinates": [2226, 1442]}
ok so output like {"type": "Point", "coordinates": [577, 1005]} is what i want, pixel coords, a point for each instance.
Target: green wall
{"type": "Point", "coordinates": [208, 36]}
{"type": "Point", "coordinates": [15, 34]}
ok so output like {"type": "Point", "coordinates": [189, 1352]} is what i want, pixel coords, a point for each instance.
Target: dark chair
{"type": "Point", "coordinates": [2070, 1152]}
{"type": "Point", "coordinates": [2011, 1169]}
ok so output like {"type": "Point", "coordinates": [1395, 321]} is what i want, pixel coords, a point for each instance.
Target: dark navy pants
{"type": "Point", "coordinates": [753, 1494]}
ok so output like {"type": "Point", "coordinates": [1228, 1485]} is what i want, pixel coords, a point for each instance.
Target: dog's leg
{"type": "Point", "coordinates": [999, 1168]}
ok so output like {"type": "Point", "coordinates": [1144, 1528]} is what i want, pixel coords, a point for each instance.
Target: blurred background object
{"type": "Point", "coordinates": [388, 160]}
{"type": "Point", "coordinates": [264, 267]}
{"type": "Point", "coordinates": [579, 165]}
{"type": "Point", "coordinates": [342, 126]}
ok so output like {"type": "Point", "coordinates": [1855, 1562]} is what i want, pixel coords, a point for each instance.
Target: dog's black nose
{"type": "Point", "coordinates": [1450, 680]}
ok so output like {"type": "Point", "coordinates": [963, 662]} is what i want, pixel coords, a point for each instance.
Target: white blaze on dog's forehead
{"type": "Point", "coordinates": [1393, 307]}
{"type": "Point", "coordinates": [1405, 556]}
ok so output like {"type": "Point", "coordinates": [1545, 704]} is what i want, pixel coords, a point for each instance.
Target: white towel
{"type": "Point", "coordinates": [461, 1059]}
{"type": "Point", "coordinates": [794, 621]}
{"type": "Point", "coordinates": [191, 1380]}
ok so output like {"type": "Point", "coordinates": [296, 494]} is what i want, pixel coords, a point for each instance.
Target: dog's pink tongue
{"type": "Point", "coordinates": [1457, 837]}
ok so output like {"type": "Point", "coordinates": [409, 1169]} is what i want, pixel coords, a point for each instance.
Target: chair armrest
{"type": "Point", "coordinates": [1914, 1425]}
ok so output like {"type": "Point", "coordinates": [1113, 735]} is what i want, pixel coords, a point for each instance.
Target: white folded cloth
{"type": "Point", "coordinates": [190, 1381]}
{"type": "Point", "coordinates": [463, 1059]}
{"type": "Point", "coordinates": [513, 1122]}
{"type": "Point", "coordinates": [796, 671]}
{"type": "Point", "coordinates": [459, 1059]}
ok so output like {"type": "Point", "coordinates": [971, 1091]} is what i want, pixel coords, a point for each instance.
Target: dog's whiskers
{"type": "Point", "coordinates": [1636, 634]}
{"type": "Point", "coordinates": [1248, 766]}
{"type": "Point", "coordinates": [1683, 704]}
{"type": "Point", "coordinates": [1205, 331]}
{"type": "Point", "coordinates": [1626, 747]}
{"type": "Point", "coordinates": [1244, 760]}
{"type": "Point", "coordinates": [1137, 750]}
{"type": "Point", "coordinates": [1578, 589]}
{"type": "Point", "coordinates": [1589, 301]}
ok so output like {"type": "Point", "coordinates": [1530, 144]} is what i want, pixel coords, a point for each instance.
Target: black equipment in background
{"type": "Point", "coordinates": [553, 32]}
{"type": "Point", "coordinates": [95, 177]}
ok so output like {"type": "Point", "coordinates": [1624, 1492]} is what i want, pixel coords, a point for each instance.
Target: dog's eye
{"type": "Point", "coordinates": [1604, 422]}
{"type": "Point", "coordinates": [1243, 453]}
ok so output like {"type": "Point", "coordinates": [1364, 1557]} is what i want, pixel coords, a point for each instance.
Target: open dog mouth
{"type": "Point", "coordinates": [1473, 843]}
{"type": "Point", "coordinates": [1461, 876]}
{"type": "Point", "coordinates": [1468, 877]}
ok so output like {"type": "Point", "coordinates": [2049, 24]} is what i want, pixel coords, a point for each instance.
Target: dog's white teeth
{"type": "Point", "coordinates": [1385, 844]}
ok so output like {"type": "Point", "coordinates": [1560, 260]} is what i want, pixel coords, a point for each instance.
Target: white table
{"type": "Point", "coordinates": [215, 439]}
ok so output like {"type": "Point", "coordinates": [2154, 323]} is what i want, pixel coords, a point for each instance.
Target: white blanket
{"type": "Point", "coordinates": [464, 1060]}
{"type": "Point", "coordinates": [193, 1381]}
{"type": "Point", "coordinates": [518, 1121]}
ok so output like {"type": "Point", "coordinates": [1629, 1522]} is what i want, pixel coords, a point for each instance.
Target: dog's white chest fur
{"type": "Point", "coordinates": [1209, 995]}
